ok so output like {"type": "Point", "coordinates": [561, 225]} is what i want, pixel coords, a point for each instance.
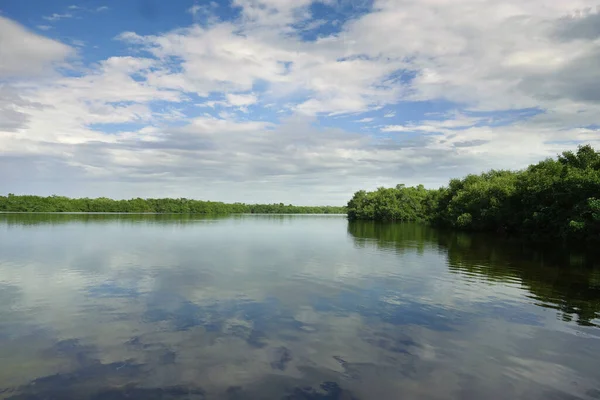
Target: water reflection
{"type": "Point", "coordinates": [283, 307]}
{"type": "Point", "coordinates": [567, 280]}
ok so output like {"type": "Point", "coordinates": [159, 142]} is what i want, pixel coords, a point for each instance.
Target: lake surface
{"type": "Point", "coordinates": [289, 307]}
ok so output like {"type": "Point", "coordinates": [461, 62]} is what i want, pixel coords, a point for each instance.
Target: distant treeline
{"type": "Point", "coordinates": [553, 199]}
{"type": "Point", "coordinates": [12, 203]}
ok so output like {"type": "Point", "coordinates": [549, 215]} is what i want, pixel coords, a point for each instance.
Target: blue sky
{"type": "Point", "coordinates": [288, 101]}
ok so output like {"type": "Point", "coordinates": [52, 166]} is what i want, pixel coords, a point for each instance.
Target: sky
{"type": "Point", "coordinates": [293, 101]}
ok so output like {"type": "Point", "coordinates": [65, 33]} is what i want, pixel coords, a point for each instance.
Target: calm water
{"type": "Point", "coordinates": [288, 307]}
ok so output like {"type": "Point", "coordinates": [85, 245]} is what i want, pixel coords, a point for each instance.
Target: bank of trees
{"type": "Point", "coordinates": [555, 198]}
{"type": "Point", "coordinates": [12, 203]}
{"type": "Point", "coordinates": [394, 204]}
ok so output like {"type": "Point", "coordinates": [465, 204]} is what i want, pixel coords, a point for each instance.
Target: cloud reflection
{"type": "Point", "coordinates": [290, 308]}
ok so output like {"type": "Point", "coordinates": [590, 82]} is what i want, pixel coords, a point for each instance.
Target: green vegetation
{"type": "Point", "coordinates": [394, 204]}
{"type": "Point", "coordinates": [12, 203]}
{"type": "Point", "coordinates": [553, 199]}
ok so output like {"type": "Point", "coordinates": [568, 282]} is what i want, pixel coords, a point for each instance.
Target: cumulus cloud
{"type": "Point", "coordinates": [23, 53]}
{"type": "Point", "coordinates": [241, 100]}
{"type": "Point", "coordinates": [486, 54]}
{"type": "Point", "coordinates": [222, 58]}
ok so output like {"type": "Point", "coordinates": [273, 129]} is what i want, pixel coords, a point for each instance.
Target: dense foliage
{"type": "Point", "coordinates": [394, 204]}
{"type": "Point", "coordinates": [12, 203]}
{"type": "Point", "coordinates": [555, 198]}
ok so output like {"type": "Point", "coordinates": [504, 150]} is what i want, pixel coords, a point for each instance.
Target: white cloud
{"type": "Point", "coordinates": [44, 27]}
{"type": "Point", "coordinates": [214, 59]}
{"type": "Point", "coordinates": [366, 120]}
{"type": "Point", "coordinates": [23, 53]}
{"type": "Point", "coordinates": [69, 105]}
{"type": "Point", "coordinates": [271, 13]}
{"type": "Point", "coordinates": [194, 9]}
{"type": "Point", "coordinates": [221, 58]}
{"type": "Point", "coordinates": [241, 100]}
{"type": "Point", "coordinates": [57, 17]}
{"type": "Point", "coordinates": [445, 125]}
{"type": "Point", "coordinates": [330, 163]}
{"type": "Point", "coordinates": [203, 14]}
{"type": "Point", "coordinates": [487, 54]}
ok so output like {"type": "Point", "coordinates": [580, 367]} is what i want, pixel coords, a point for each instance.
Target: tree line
{"type": "Point", "coordinates": [553, 199]}
{"type": "Point", "coordinates": [13, 203]}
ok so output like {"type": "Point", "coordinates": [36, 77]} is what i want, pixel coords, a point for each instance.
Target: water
{"type": "Point", "coordinates": [288, 307]}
